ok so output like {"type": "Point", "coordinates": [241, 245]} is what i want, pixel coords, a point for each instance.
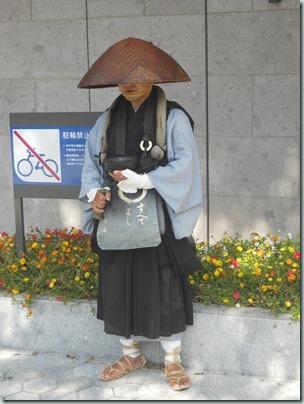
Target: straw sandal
{"type": "Point", "coordinates": [177, 377]}
{"type": "Point", "coordinates": [121, 368]}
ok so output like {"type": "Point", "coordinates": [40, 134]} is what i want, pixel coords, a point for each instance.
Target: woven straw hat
{"type": "Point", "coordinates": [133, 60]}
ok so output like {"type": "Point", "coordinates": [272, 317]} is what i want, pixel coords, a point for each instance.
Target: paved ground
{"type": "Point", "coordinates": [27, 375]}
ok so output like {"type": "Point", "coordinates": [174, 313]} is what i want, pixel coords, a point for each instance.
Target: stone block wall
{"type": "Point", "coordinates": [246, 112]}
{"type": "Point", "coordinates": [254, 116]}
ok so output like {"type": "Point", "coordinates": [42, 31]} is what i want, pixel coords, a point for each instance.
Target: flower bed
{"type": "Point", "coordinates": [260, 271]}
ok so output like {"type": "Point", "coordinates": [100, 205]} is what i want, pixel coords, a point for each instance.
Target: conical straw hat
{"type": "Point", "coordinates": [133, 60]}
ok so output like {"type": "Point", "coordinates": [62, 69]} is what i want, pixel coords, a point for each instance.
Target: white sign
{"type": "Point", "coordinates": [36, 154]}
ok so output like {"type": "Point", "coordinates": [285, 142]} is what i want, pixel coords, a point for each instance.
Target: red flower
{"type": "Point", "coordinates": [235, 263]}
{"type": "Point", "coordinates": [58, 298]}
{"type": "Point", "coordinates": [236, 295]}
{"type": "Point", "coordinates": [296, 255]}
{"type": "Point", "coordinates": [1, 282]}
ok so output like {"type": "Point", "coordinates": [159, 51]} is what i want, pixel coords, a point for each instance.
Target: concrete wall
{"type": "Point", "coordinates": [246, 341]}
{"type": "Point", "coordinates": [248, 141]}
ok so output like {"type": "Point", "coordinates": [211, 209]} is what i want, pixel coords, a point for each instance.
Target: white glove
{"type": "Point", "coordinates": [134, 182]}
{"type": "Point", "coordinates": [92, 193]}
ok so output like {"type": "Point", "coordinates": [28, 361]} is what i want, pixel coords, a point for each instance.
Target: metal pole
{"type": "Point", "coordinates": [19, 218]}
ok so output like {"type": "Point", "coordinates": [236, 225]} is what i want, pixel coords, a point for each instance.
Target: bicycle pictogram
{"type": "Point", "coordinates": [25, 166]}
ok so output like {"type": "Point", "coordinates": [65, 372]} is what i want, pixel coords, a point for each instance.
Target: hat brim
{"type": "Point", "coordinates": [133, 60]}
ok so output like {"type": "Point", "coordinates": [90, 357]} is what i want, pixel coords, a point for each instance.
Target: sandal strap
{"type": "Point", "coordinates": [173, 372]}
{"type": "Point", "coordinates": [125, 367]}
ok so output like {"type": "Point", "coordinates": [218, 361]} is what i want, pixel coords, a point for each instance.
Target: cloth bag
{"type": "Point", "coordinates": [131, 221]}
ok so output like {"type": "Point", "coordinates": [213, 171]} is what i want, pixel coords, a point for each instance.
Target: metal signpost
{"type": "Point", "coordinates": [47, 157]}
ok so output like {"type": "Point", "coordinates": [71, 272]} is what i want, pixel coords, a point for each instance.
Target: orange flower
{"type": "Point", "coordinates": [288, 261]}
{"type": "Point", "coordinates": [291, 278]}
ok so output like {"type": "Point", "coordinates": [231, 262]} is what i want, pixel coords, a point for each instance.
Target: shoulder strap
{"type": "Point", "coordinates": [104, 144]}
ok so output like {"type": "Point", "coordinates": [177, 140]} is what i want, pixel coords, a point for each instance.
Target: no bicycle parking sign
{"type": "Point", "coordinates": [48, 152]}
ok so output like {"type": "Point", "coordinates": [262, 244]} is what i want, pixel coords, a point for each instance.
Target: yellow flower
{"type": "Point", "coordinates": [240, 274]}
{"type": "Point", "coordinates": [65, 243]}
{"type": "Point", "coordinates": [264, 288]}
{"type": "Point", "coordinates": [15, 291]}
{"type": "Point", "coordinates": [279, 279]}
{"type": "Point", "coordinates": [23, 268]}
{"type": "Point", "coordinates": [225, 301]}
{"type": "Point", "coordinates": [291, 249]}
{"type": "Point", "coordinates": [242, 285]}
{"type": "Point", "coordinates": [51, 285]}
{"type": "Point", "coordinates": [205, 277]}
{"type": "Point", "coordinates": [35, 244]}
{"type": "Point", "coordinates": [22, 261]}
{"type": "Point", "coordinates": [250, 300]}
{"type": "Point", "coordinates": [287, 304]}
{"type": "Point", "coordinates": [87, 275]}
{"type": "Point", "coordinates": [77, 278]}
{"type": "Point", "coordinates": [239, 248]}
{"type": "Point", "coordinates": [25, 280]}
{"type": "Point", "coordinates": [15, 268]}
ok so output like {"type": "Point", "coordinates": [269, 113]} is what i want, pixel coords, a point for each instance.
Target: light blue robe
{"type": "Point", "coordinates": [179, 182]}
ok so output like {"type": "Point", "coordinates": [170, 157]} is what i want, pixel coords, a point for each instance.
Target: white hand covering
{"type": "Point", "coordinates": [134, 182]}
{"type": "Point", "coordinates": [92, 193]}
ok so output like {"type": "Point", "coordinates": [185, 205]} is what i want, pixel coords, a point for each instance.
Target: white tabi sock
{"type": "Point", "coordinates": [172, 351]}
{"type": "Point", "coordinates": [130, 347]}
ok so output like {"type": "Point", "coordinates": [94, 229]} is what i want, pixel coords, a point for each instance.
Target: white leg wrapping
{"type": "Point", "coordinates": [130, 347]}
{"type": "Point", "coordinates": [172, 351]}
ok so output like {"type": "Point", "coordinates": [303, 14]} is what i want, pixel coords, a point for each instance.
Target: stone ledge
{"type": "Point", "coordinates": [225, 340]}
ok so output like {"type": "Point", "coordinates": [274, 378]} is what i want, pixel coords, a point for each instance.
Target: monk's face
{"type": "Point", "coordinates": [136, 93]}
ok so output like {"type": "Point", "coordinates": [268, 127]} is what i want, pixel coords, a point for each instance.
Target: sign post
{"type": "Point", "coordinates": [47, 157]}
